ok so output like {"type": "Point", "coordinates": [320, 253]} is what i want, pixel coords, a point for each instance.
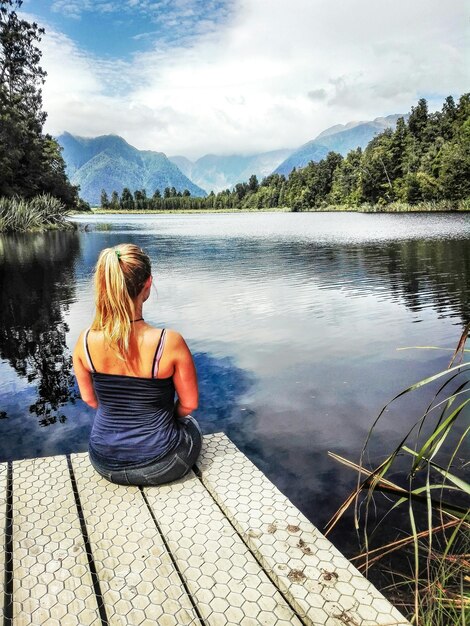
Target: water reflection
{"type": "Point", "coordinates": [221, 385]}
{"type": "Point", "coordinates": [38, 283]}
{"type": "Point", "coordinates": [294, 320]}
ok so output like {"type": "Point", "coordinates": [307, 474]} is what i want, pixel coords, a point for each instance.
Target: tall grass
{"type": "Point", "coordinates": [43, 212]}
{"type": "Point", "coordinates": [436, 498]}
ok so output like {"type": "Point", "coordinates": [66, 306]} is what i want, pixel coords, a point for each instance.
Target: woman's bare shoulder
{"type": "Point", "coordinates": [81, 338]}
{"type": "Point", "coordinates": [174, 337]}
{"type": "Point", "coordinates": [80, 344]}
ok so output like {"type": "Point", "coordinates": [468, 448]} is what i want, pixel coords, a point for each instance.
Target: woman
{"type": "Point", "coordinates": [129, 371]}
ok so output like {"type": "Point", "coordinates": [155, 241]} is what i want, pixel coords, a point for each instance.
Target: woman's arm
{"type": "Point", "coordinates": [83, 375]}
{"type": "Point", "coordinates": [184, 377]}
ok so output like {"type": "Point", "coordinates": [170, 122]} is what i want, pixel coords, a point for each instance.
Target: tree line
{"type": "Point", "coordinates": [31, 162]}
{"type": "Point", "coordinates": [425, 159]}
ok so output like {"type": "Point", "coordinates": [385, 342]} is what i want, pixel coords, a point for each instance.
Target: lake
{"type": "Point", "coordinates": [302, 327]}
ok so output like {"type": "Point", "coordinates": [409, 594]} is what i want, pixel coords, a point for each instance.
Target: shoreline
{"type": "Point", "coordinates": [268, 210]}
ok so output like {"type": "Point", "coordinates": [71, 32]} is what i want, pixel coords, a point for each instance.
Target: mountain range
{"type": "Point", "coordinates": [109, 162]}
{"type": "Point", "coordinates": [213, 172]}
{"type": "Point", "coordinates": [341, 138]}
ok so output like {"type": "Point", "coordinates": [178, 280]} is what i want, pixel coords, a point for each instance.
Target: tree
{"type": "Point", "coordinates": [418, 119]}
{"type": "Point", "coordinates": [241, 190]}
{"type": "Point", "coordinates": [127, 201]}
{"type": "Point", "coordinates": [377, 169]}
{"type": "Point", "coordinates": [30, 162]}
{"type": "Point", "coordinates": [104, 199]}
{"type": "Point", "coordinates": [253, 183]}
{"type": "Point", "coordinates": [447, 118]}
{"type": "Point", "coordinates": [114, 203]}
{"type": "Point", "coordinates": [140, 199]}
{"type": "Point", "coordinates": [346, 183]}
{"type": "Point", "coordinates": [455, 165]}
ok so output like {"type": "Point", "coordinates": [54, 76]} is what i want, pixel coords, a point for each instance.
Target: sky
{"type": "Point", "coordinates": [192, 77]}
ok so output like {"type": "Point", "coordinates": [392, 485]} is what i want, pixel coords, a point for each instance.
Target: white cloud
{"type": "Point", "coordinates": [274, 75]}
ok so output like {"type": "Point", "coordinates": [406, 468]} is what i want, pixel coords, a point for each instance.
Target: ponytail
{"type": "Point", "coordinates": [120, 275]}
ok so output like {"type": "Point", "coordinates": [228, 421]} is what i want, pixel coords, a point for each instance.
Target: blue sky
{"type": "Point", "coordinates": [110, 28]}
{"type": "Point", "coordinates": [193, 77]}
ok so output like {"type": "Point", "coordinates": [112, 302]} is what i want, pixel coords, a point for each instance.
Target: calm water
{"type": "Point", "coordinates": [297, 323]}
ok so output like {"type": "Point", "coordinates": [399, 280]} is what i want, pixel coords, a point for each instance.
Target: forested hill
{"type": "Point", "coordinates": [110, 163]}
{"type": "Point", "coordinates": [340, 138]}
{"type": "Point", "coordinates": [425, 161]}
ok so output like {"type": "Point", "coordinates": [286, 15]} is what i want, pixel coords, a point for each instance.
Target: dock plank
{"type": "Point", "coordinates": [137, 578]}
{"type": "Point", "coordinates": [319, 582]}
{"type": "Point", "coordinates": [3, 505]}
{"type": "Point", "coordinates": [222, 575]}
{"type": "Point", "coordinates": [52, 582]}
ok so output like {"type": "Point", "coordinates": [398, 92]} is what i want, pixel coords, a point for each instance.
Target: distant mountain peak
{"type": "Point", "coordinates": [217, 172]}
{"type": "Point", "coordinates": [340, 138]}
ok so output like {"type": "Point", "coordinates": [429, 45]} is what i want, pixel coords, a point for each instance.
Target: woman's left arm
{"type": "Point", "coordinates": [83, 376]}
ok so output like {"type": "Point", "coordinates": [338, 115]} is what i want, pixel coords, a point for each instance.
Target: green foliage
{"type": "Point", "coordinates": [39, 213]}
{"type": "Point", "coordinates": [30, 161]}
{"type": "Point", "coordinates": [82, 205]}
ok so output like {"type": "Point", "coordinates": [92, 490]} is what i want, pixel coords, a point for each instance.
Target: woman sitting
{"type": "Point", "coordinates": [129, 371]}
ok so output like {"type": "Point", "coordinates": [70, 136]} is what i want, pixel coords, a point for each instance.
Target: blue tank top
{"type": "Point", "coordinates": [134, 421]}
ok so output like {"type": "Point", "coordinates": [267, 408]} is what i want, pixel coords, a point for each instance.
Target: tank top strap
{"type": "Point", "coordinates": [87, 352]}
{"type": "Point", "coordinates": [158, 354]}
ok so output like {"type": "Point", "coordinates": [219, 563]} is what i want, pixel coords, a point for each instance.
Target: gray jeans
{"type": "Point", "coordinates": [172, 466]}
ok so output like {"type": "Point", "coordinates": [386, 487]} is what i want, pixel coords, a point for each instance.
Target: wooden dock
{"type": "Point", "coordinates": [223, 547]}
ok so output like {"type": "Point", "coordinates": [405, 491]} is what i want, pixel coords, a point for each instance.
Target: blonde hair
{"type": "Point", "coordinates": [120, 276]}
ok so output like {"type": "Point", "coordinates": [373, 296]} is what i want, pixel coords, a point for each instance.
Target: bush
{"type": "Point", "coordinates": [42, 212]}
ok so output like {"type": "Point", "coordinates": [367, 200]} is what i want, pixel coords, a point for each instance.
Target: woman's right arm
{"type": "Point", "coordinates": [184, 377]}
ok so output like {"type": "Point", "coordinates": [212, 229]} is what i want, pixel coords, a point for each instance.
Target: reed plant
{"type": "Point", "coordinates": [43, 212]}
{"type": "Point", "coordinates": [435, 495]}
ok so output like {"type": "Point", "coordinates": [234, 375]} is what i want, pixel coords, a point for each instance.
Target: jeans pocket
{"type": "Point", "coordinates": [177, 468]}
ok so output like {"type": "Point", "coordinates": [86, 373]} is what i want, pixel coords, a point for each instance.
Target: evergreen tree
{"type": "Point", "coordinates": [104, 199]}
{"type": "Point", "coordinates": [253, 183]}
{"type": "Point", "coordinates": [30, 162]}
{"type": "Point", "coordinates": [418, 119]}
{"type": "Point", "coordinates": [449, 113]}
{"type": "Point", "coordinates": [114, 203]}
{"type": "Point", "coordinates": [127, 201]}
{"type": "Point", "coordinates": [140, 199]}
